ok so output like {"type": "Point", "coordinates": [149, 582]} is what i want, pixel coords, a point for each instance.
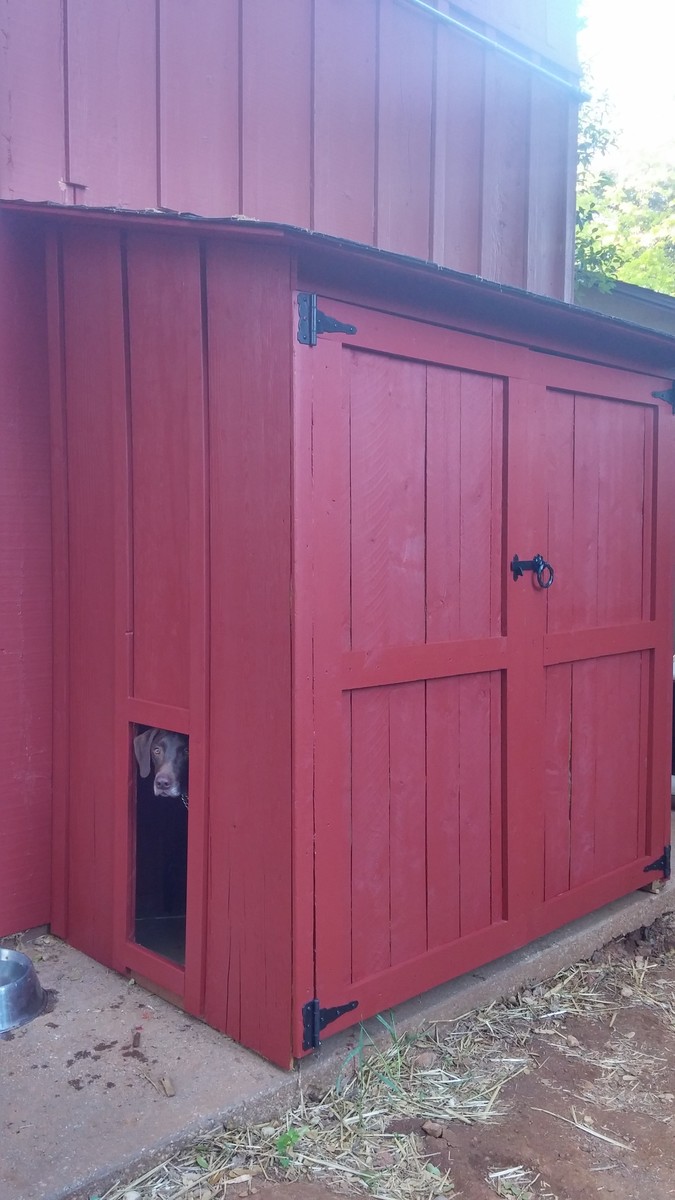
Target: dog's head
{"type": "Point", "coordinates": [166, 755]}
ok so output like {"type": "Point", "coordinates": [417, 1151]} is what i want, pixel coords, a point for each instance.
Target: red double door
{"type": "Point", "coordinates": [489, 756]}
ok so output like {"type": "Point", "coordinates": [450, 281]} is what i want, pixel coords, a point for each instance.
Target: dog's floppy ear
{"type": "Point", "coordinates": [142, 745]}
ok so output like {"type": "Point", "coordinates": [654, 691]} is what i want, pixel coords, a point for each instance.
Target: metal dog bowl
{"type": "Point", "coordinates": [22, 996]}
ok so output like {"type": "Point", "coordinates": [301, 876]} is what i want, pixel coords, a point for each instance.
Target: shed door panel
{"type": "Point", "coordinates": [439, 841]}
{"type": "Point", "coordinates": [409, 650]}
{"type": "Point", "coordinates": [594, 781]}
{"type": "Point", "coordinates": [598, 473]}
{"type": "Point", "coordinates": [599, 486]}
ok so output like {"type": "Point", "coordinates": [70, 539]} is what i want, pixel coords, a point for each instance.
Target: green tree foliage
{"type": "Point", "coordinates": [626, 228]}
{"type": "Point", "coordinates": [598, 259]}
{"type": "Point", "coordinates": [642, 215]}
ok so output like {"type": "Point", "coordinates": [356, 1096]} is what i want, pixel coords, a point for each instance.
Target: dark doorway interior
{"type": "Point", "coordinates": [161, 869]}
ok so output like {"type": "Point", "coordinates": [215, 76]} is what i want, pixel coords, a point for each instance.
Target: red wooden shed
{"type": "Point", "coordinates": [294, 500]}
{"type": "Point", "coordinates": [290, 481]}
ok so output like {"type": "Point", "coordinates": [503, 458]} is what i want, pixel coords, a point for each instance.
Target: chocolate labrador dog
{"type": "Point", "coordinates": [166, 755]}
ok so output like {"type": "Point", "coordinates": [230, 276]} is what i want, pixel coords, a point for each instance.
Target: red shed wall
{"type": "Point", "coordinates": [25, 583]}
{"type": "Point", "coordinates": [367, 119]}
{"type": "Point", "coordinates": [172, 451]}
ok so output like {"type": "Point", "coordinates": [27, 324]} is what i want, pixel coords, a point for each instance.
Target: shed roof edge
{"type": "Point", "coordinates": [573, 316]}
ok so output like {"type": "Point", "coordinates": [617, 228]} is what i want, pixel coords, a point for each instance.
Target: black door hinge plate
{"type": "Point", "coordinates": [661, 864]}
{"type": "Point", "coordinates": [315, 1018]}
{"type": "Point", "coordinates": [312, 322]}
{"type": "Point", "coordinates": [668, 396]}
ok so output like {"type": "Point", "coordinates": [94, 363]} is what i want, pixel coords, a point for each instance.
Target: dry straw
{"type": "Point", "coordinates": [365, 1134]}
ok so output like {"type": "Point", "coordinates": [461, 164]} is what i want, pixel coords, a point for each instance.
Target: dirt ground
{"type": "Point", "coordinates": [617, 1080]}
{"type": "Point", "coordinates": [580, 1103]}
{"type": "Point", "coordinates": [556, 1159]}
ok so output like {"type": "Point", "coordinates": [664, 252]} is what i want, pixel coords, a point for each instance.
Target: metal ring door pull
{"type": "Point", "coordinates": [544, 571]}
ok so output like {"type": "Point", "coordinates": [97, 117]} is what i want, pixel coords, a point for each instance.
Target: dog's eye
{"type": "Point", "coordinates": [156, 751]}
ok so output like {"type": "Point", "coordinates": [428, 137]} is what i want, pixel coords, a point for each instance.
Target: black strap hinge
{"type": "Point", "coordinates": [668, 396]}
{"type": "Point", "coordinates": [661, 864]}
{"type": "Point", "coordinates": [312, 322]}
{"type": "Point", "coordinates": [315, 1018]}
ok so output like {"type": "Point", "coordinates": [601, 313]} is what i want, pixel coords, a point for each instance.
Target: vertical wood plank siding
{"type": "Point", "coordinates": [25, 592]}
{"type": "Point", "coordinates": [199, 125]}
{"type": "Point", "coordinates": [33, 101]}
{"type": "Point", "coordinates": [248, 932]}
{"type": "Point", "coordinates": [367, 120]}
{"type": "Point", "coordinates": [94, 376]}
{"type": "Point", "coordinates": [163, 387]}
{"type": "Point", "coordinates": [112, 103]}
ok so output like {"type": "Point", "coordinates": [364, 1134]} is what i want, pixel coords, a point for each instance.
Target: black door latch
{"type": "Point", "coordinates": [544, 571]}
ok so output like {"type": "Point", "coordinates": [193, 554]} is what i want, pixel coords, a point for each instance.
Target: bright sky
{"type": "Point", "coordinates": [629, 46]}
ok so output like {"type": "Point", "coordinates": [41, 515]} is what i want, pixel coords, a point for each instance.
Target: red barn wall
{"type": "Point", "coordinates": [366, 119]}
{"type": "Point", "coordinates": [25, 583]}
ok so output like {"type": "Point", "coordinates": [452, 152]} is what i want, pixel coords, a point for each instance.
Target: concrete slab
{"type": "Point", "coordinates": [82, 1105]}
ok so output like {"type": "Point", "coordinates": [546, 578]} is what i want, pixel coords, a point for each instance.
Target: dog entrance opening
{"type": "Point", "coordinates": [161, 760]}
